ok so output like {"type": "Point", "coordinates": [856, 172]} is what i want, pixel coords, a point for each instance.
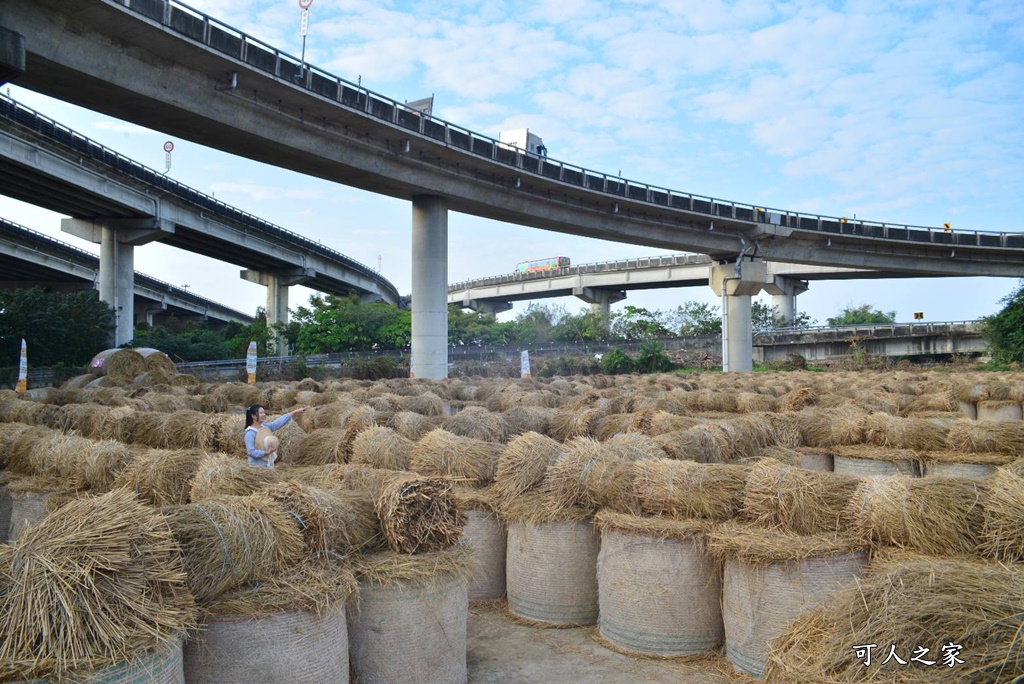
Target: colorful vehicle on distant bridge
{"type": "Point", "coordinates": [542, 265]}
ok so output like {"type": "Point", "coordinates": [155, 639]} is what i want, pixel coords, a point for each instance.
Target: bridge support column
{"type": "Point", "coordinates": [12, 55]}
{"type": "Point", "coordinates": [277, 284]}
{"type": "Point", "coordinates": [145, 314]}
{"type": "Point", "coordinates": [429, 287]}
{"type": "Point", "coordinates": [486, 306]}
{"type": "Point", "coordinates": [600, 300]}
{"type": "Point", "coordinates": [118, 238]}
{"type": "Point", "coordinates": [736, 282]}
{"type": "Point", "coordinates": [784, 292]}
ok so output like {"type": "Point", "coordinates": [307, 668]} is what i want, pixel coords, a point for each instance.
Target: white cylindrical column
{"type": "Point", "coordinates": [277, 309]}
{"type": "Point", "coordinates": [429, 287]}
{"type": "Point", "coordinates": [736, 334]}
{"type": "Point", "coordinates": [117, 283]}
{"type": "Point", "coordinates": [784, 307]}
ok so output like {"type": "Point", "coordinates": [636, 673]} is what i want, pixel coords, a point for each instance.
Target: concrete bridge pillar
{"type": "Point", "coordinates": [600, 300]}
{"type": "Point", "coordinates": [277, 283]}
{"type": "Point", "coordinates": [784, 292]}
{"type": "Point", "coordinates": [736, 282]}
{"type": "Point", "coordinates": [118, 238]}
{"type": "Point", "coordinates": [12, 55]}
{"type": "Point", "coordinates": [486, 306]}
{"type": "Point", "coordinates": [145, 313]}
{"type": "Point", "coordinates": [429, 287]}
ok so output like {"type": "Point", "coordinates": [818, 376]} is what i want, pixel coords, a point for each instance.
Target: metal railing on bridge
{"type": "Point", "coordinates": [222, 38]}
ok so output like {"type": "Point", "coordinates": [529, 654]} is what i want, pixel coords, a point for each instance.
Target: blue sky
{"type": "Point", "coordinates": [906, 112]}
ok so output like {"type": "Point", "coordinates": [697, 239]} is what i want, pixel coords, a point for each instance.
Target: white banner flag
{"type": "Point", "coordinates": [524, 365]}
{"type": "Point", "coordinates": [250, 363]}
{"type": "Point", "coordinates": [22, 369]}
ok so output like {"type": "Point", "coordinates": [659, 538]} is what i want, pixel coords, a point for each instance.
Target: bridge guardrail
{"type": "Point", "coordinates": [26, 116]}
{"type": "Point", "coordinates": [223, 38]}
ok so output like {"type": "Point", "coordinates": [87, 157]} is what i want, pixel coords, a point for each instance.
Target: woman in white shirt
{"type": "Point", "coordinates": [255, 416]}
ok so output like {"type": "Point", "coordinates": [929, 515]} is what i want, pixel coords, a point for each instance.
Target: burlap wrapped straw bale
{"type": "Point", "coordinates": [332, 520]}
{"type": "Point", "coordinates": [938, 516]}
{"type": "Point", "coordinates": [893, 432]}
{"type": "Point", "coordinates": [685, 489]}
{"type": "Point", "coordinates": [868, 460]}
{"type": "Point", "coordinates": [795, 499]}
{"type": "Point", "coordinates": [27, 499]}
{"type": "Point", "coordinates": [218, 475]}
{"type": "Point", "coordinates": [442, 453]}
{"type": "Point", "coordinates": [96, 583]}
{"type": "Point", "coordinates": [382, 447]}
{"type": "Point", "coordinates": [676, 609]}
{"type": "Point", "coordinates": [1004, 516]}
{"type": "Point", "coordinates": [960, 464]}
{"type": "Point", "coordinates": [523, 463]}
{"type": "Point", "coordinates": [485, 534]}
{"type": "Point", "coordinates": [998, 411]}
{"type": "Point", "coordinates": [770, 578]}
{"type": "Point", "coordinates": [960, 608]}
{"type": "Point", "coordinates": [974, 437]}
{"type": "Point", "coordinates": [162, 477]}
{"type": "Point", "coordinates": [410, 625]}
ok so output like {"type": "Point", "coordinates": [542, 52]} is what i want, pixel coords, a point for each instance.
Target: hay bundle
{"type": "Point", "coordinates": [795, 499]}
{"type": "Point", "coordinates": [146, 427]}
{"type": "Point", "coordinates": [477, 423]}
{"type": "Point", "coordinates": [991, 389]}
{"type": "Point", "coordinates": [187, 429]}
{"type": "Point", "coordinates": [220, 475]}
{"type": "Point", "coordinates": [631, 446]}
{"type": "Point", "coordinates": [568, 423]}
{"type": "Point", "coordinates": [832, 427]}
{"type": "Point", "coordinates": [797, 399]}
{"type": "Point", "coordinates": [748, 435]}
{"type": "Point", "coordinates": [703, 443]}
{"type": "Point", "coordinates": [940, 516]}
{"type": "Point", "coordinates": [323, 446]}
{"type": "Point", "coordinates": [445, 454]}
{"type": "Point", "coordinates": [974, 437]}
{"type": "Point", "coordinates": [910, 602]}
{"type": "Point", "coordinates": [123, 362]}
{"type": "Point", "coordinates": [583, 461]}
{"type": "Point", "coordinates": [939, 401]}
{"type": "Point", "coordinates": [228, 432]}
{"type": "Point", "coordinates": [523, 419]}
{"type": "Point", "coordinates": [412, 425]}
{"type": "Point", "coordinates": [162, 477]}
{"type": "Point", "coordinates": [685, 489]}
{"type": "Point", "coordinates": [332, 415]}
{"type": "Point", "coordinates": [229, 541]}
{"type": "Point", "coordinates": [154, 360]}
{"type": "Point", "coordinates": [86, 419]}
{"type": "Point", "coordinates": [867, 460]}
{"type": "Point", "coordinates": [155, 378]}
{"type": "Point", "coordinates": [381, 447]}
{"type": "Point", "coordinates": [663, 422]}
{"type": "Point", "coordinates": [9, 433]}
{"type": "Point", "coordinates": [752, 402]}
{"type": "Point", "coordinates": [611, 424]}
{"type": "Point", "coordinates": [20, 445]}
{"type": "Point", "coordinates": [904, 433]}
{"type": "Point", "coordinates": [60, 457]}
{"type": "Point", "coordinates": [703, 400]}
{"type": "Point", "coordinates": [1003, 537]}
{"type": "Point", "coordinates": [115, 424]}
{"type": "Point", "coordinates": [96, 583]}
{"type": "Point", "coordinates": [332, 520]}
{"type": "Point", "coordinates": [104, 463]}
{"type": "Point", "coordinates": [79, 381]}
{"type": "Point", "coordinates": [426, 404]}
{"type": "Point", "coordinates": [522, 464]}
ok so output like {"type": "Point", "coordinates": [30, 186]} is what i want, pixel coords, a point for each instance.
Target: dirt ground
{"type": "Point", "coordinates": [500, 650]}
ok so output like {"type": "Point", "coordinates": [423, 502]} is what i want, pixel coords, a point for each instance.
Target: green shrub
{"type": "Point", "coordinates": [617, 362]}
{"type": "Point", "coordinates": [652, 359]}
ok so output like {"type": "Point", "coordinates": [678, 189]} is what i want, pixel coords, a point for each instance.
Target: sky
{"type": "Point", "coordinates": [904, 112]}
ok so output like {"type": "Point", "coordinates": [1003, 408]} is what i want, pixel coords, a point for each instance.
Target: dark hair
{"type": "Point", "coordinates": [251, 413]}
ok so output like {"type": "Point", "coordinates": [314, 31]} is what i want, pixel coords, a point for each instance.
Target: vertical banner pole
{"type": "Point", "coordinates": [250, 363]}
{"type": "Point", "coordinates": [22, 369]}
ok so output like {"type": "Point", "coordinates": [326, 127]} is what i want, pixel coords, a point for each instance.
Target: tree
{"type": "Point", "coordinates": [586, 326]}
{"type": "Point", "coordinates": [334, 324]}
{"type": "Point", "coordinates": [638, 323]}
{"type": "Point", "coordinates": [536, 322]}
{"type": "Point", "coordinates": [184, 341]}
{"type": "Point", "coordinates": [694, 318]}
{"type": "Point", "coordinates": [59, 327]}
{"type": "Point", "coordinates": [764, 317]}
{"type": "Point", "coordinates": [1004, 331]}
{"type": "Point", "coordinates": [865, 314]}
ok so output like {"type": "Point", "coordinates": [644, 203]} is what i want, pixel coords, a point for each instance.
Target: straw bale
{"type": "Point", "coordinates": [79, 381]}
{"type": "Point", "coordinates": [382, 447]}
{"type": "Point", "coordinates": [322, 446]}
{"type": "Point", "coordinates": [989, 390]}
{"type": "Point", "coordinates": [974, 437]}
{"type": "Point", "coordinates": [751, 402]}
{"type": "Point", "coordinates": [157, 360]}
{"type": "Point", "coordinates": [663, 422]}
{"type": "Point", "coordinates": [106, 565]}
{"type": "Point", "coordinates": [313, 586]}
{"type": "Point", "coordinates": [611, 424]}
{"type": "Point", "coordinates": [939, 401]}
{"type": "Point", "coordinates": [685, 489]}
{"type": "Point", "coordinates": [126, 362]}
{"type": "Point", "coordinates": [162, 477]}
{"type": "Point", "coordinates": [523, 419]}
{"type": "Point", "coordinates": [909, 602]}
{"type": "Point", "coordinates": [445, 454]}
{"type": "Point", "coordinates": [632, 446]}
{"type": "Point", "coordinates": [389, 569]}
{"type": "Point", "coordinates": [537, 508]}
{"type": "Point", "coordinates": [797, 399]}
{"type": "Point", "coordinates": [83, 418]}
{"type": "Point", "coordinates": [564, 480]}
{"type": "Point", "coordinates": [219, 475]}
{"type": "Point", "coordinates": [104, 463]}
{"type": "Point", "coordinates": [477, 498]}
{"type": "Point", "coordinates": [760, 546]}
{"type": "Point", "coordinates": [919, 434]}
{"type": "Point", "coordinates": [937, 516]}
{"type": "Point", "coordinates": [9, 433]}
{"type": "Point", "coordinates": [427, 404]}
{"type": "Point", "coordinates": [655, 528]}
{"type": "Point", "coordinates": [187, 430]}
{"type": "Point", "coordinates": [833, 427]}
{"type": "Point", "coordinates": [477, 423]}
{"type": "Point", "coordinates": [229, 541]}
{"type": "Point", "coordinates": [795, 499]}
{"type": "Point", "coordinates": [60, 456]}
{"type": "Point", "coordinates": [523, 462]}
{"type": "Point", "coordinates": [569, 422]}
{"type": "Point", "coordinates": [332, 415]}
{"type": "Point", "coordinates": [412, 425]}
{"type": "Point", "coordinates": [332, 520]}
{"type": "Point", "coordinates": [703, 443]}
{"type": "Point", "coordinates": [146, 427]}
{"type": "Point", "coordinates": [1003, 537]}
{"type": "Point", "coordinates": [21, 444]}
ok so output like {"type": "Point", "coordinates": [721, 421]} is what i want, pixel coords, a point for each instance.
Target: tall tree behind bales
{"type": "Point", "coordinates": [60, 327]}
{"type": "Point", "coordinates": [765, 317]}
{"type": "Point", "coordinates": [1004, 331]}
{"type": "Point", "coordinates": [696, 318]}
{"type": "Point", "coordinates": [865, 314]}
{"type": "Point", "coordinates": [638, 323]}
{"type": "Point", "coordinates": [336, 324]}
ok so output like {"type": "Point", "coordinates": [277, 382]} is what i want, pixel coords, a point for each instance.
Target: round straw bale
{"type": "Point", "coordinates": [815, 458]}
{"type": "Point", "coordinates": [478, 423]}
{"type": "Point", "coordinates": [685, 489]}
{"type": "Point", "coordinates": [162, 477]}
{"type": "Point", "coordinates": [412, 425]}
{"type": "Point", "coordinates": [676, 609]}
{"type": "Point", "coordinates": [958, 464]}
{"type": "Point", "coordinates": [904, 433]}
{"type": "Point", "coordinates": [523, 419]}
{"type": "Point", "coordinates": [322, 446]}
{"type": "Point", "coordinates": [112, 564]}
{"type": "Point", "coordinates": [551, 576]}
{"type": "Point", "coordinates": [703, 443]}
{"type": "Point", "coordinates": [79, 381]}
{"type": "Point", "coordinates": [443, 453]}
{"type": "Point", "coordinates": [20, 446]}
{"type": "Point", "coordinates": [61, 457]}
{"type": "Point", "coordinates": [332, 520]}
{"type": "Point", "coordinates": [154, 359]}
{"type": "Point", "coordinates": [486, 535]}
{"type": "Point", "coordinates": [523, 462]}
{"type": "Point", "coordinates": [750, 402]}
{"type": "Point", "coordinates": [908, 603]}
{"type": "Point", "coordinates": [104, 462]}
{"type": "Point", "coordinates": [832, 427]}
{"type": "Point", "coordinates": [568, 423]}
{"type": "Point", "coordinates": [218, 475]}
{"type": "Point", "coordinates": [999, 411]}
{"type": "Point", "coordinates": [24, 501]}
{"type": "Point", "coordinates": [795, 499]}
{"type": "Point", "coordinates": [867, 460]}
{"type": "Point", "coordinates": [229, 541]}
{"type": "Point", "coordinates": [937, 516]}
{"type": "Point", "coordinates": [381, 447]}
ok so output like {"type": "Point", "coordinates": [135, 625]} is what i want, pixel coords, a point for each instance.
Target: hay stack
{"type": "Point", "coordinates": [442, 453]}
{"type": "Point", "coordinates": [684, 489]}
{"type": "Point", "coordinates": [60, 457]}
{"type": "Point", "coordinates": [866, 461]}
{"type": "Point", "coordinates": [411, 425]}
{"type": "Point", "coordinates": [1004, 516]}
{"type": "Point", "coordinates": [910, 602]}
{"type": "Point", "coordinates": [919, 434]}
{"type": "Point", "coordinates": [332, 520]}
{"type": "Point", "coordinates": [523, 419]}
{"type": "Point", "coordinates": [795, 499]}
{"type": "Point", "coordinates": [162, 477]}
{"type": "Point", "coordinates": [975, 437]}
{"type": "Point", "coordinates": [323, 446]}
{"type": "Point", "coordinates": [477, 422]}
{"type": "Point", "coordinates": [104, 463]}
{"type": "Point", "coordinates": [381, 447]}
{"type": "Point", "coordinates": [123, 362]}
{"type": "Point", "coordinates": [569, 422]}
{"type": "Point", "coordinates": [833, 427]}
{"type": "Point", "coordinates": [107, 565]}
{"type": "Point", "coordinates": [229, 541]}
{"type": "Point", "coordinates": [219, 475]}
{"type": "Point", "coordinates": [523, 463]}
{"type": "Point", "coordinates": [703, 443]}
{"type": "Point", "coordinates": [937, 516]}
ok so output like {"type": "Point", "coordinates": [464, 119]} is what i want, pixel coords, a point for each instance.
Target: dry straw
{"type": "Point", "coordinates": [323, 446]}
{"type": "Point", "coordinates": [938, 516]}
{"type": "Point", "coordinates": [759, 546]}
{"type": "Point", "coordinates": [655, 528]}
{"type": "Point", "coordinates": [904, 433]}
{"type": "Point", "coordinates": [523, 462]}
{"type": "Point", "coordinates": [162, 477]}
{"type": "Point", "coordinates": [909, 602]}
{"type": "Point", "coordinates": [795, 499]}
{"type": "Point", "coordinates": [975, 437]}
{"type": "Point", "coordinates": [536, 508]}
{"type": "Point", "coordinates": [381, 447]}
{"type": "Point", "coordinates": [704, 443]}
{"type": "Point", "coordinates": [444, 454]}
{"type": "Point", "coordinates": [477, 422]}
{"type": "Point", "coordinates": [332, 520]}
{"type": "Point", "coordinates": [104, 463]}
{"type": "Point", "coordinates": [411, 425]}
{"type": "Point", "coordinates": [313, 586]}
{"type": "Point", "coordinates": [523, 419]}
{"type": "Point", "coordinates": [229, 541]}
{"type": "Point", "coordinates": [573, 422]}
{"type": "Point", "coordinates": [391, 569]}
{"type": "Point", "coordinates": [61, 457]}
{"type": "Point", "coordinates": [685, 489]}
{"type": "Point", "coordinates": [219, 475]}
{"type": "Point", "coordinates": [187, 430]}
{"type": "Point", "coordinates": [1004, 516]}
{"type": "Point", "coordinates": [97, 583]}
{"type": "Point", "coordinates": [831, 427]}
{"type": "Point", "coordinates": [127, 362]}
